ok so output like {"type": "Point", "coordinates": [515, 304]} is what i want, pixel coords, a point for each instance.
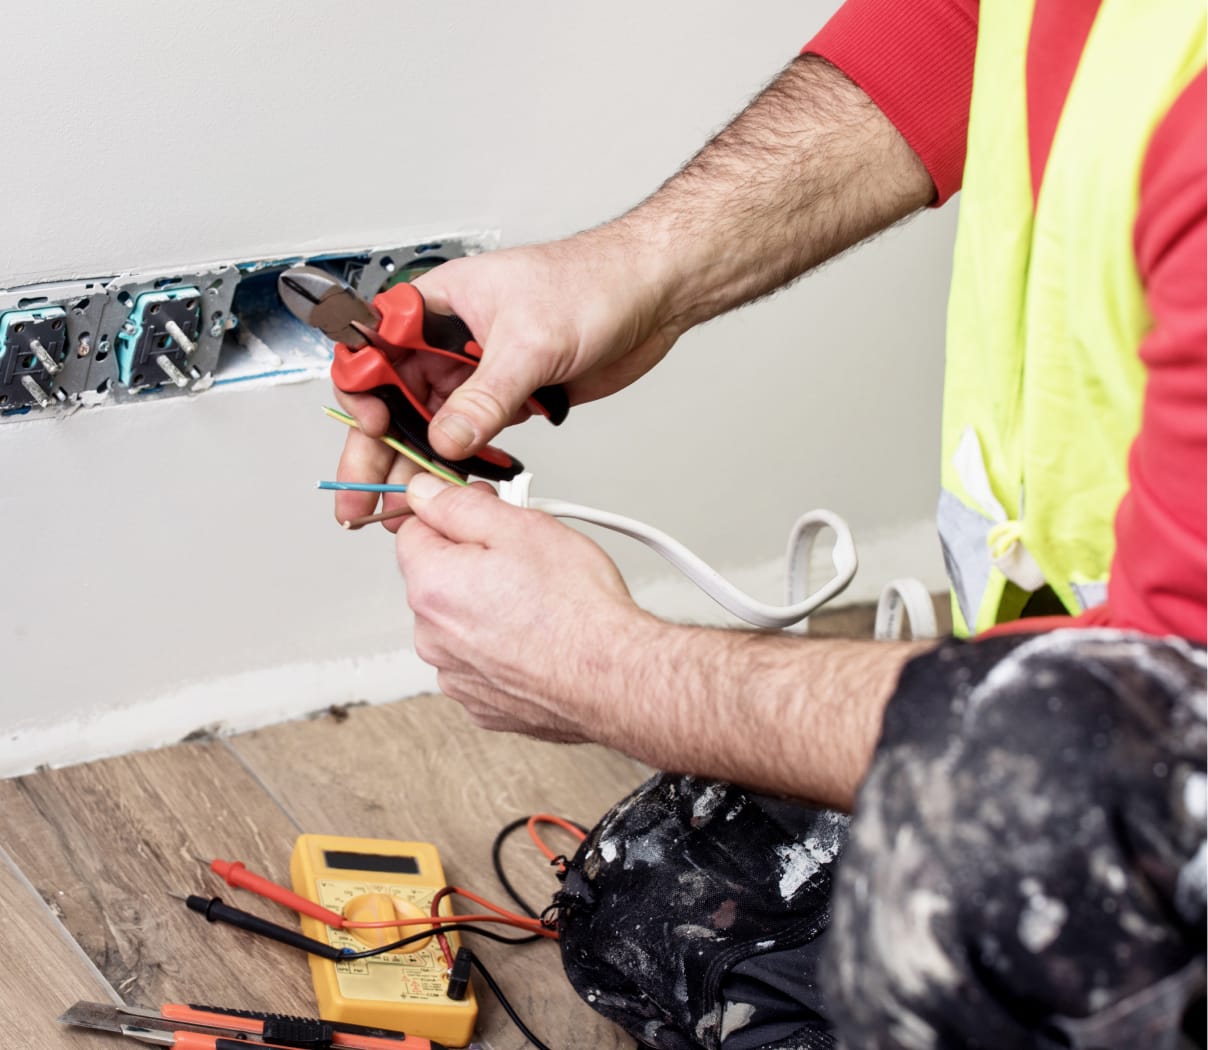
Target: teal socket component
{"type": "Point", "coordinates": [33, 343]}
{"type": "Point", "coordinates": [143, 337]}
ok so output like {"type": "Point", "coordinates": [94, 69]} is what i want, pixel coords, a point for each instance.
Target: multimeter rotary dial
{"type": "Point", "coordinates": [382, 907]}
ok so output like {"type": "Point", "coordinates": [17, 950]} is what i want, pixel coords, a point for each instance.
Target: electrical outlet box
{"type": "Point", "coordinates": [159, 339]}
{"type": "Point", "coordinates": [33, 347]}
{"type": "Point", "coordinates": [47, 344]}
{"type": "Point", "coordinates": [381, 269]}
{"type": "Point", "coordinates": [271, 344]}
{"type": "Point", "coordinates": [126, 338]}
{"type": "Point", "coordinates": [166, 332]}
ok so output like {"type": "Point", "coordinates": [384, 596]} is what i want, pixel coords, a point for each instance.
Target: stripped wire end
{"type": "Point", "coordinates": [399, 447]}
{"type": "Point", "coordinates": [352, 524]}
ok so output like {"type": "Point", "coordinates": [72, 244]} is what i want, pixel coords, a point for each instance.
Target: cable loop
{"type": "Point", "coordinates": [708, 579]}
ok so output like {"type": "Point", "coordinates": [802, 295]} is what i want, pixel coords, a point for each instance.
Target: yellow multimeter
{"type": "Point", "coordinates": [375, 880]}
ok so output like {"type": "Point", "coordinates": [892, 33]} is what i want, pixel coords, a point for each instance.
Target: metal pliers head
{"type": "Point", "coordinates": [322, 300]}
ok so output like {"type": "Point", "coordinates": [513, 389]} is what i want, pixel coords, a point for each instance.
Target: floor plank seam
{"type": "Point", "coordinates": [65, 934]}
{"type": "Point", "coordinates": [273, 796]}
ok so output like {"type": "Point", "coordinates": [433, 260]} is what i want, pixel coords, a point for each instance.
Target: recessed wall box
{"type": "Point", "coordinates": [166, 332]}
{"type": "Point", "coordinates": [33, 347]}
{"type": "Point", "coordinates": [47, 344]}
{"type": "Point", "coordinates": [138, 336]}
{"type": "Point", "coordinates": [159, 339]}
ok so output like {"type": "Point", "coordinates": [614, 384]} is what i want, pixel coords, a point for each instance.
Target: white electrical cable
{"type": "Point", "coordinates": [801, 541]}
{"type": "Point", "coordinates": [905, 601]}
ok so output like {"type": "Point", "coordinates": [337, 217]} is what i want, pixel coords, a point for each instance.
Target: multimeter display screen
{"type": "Point", "coordinates": [396, 865]}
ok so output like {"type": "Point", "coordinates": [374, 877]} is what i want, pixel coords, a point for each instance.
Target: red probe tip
{"type": "Point", "coordinates": [236, 874]}
{"type": "Point", "coordinates": [224, 869]}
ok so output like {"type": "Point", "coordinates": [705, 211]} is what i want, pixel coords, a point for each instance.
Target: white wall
{"type": "Point", "coordinates": [169, 565]}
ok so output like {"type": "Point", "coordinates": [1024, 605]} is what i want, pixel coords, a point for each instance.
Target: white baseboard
{"type": "Point", "coordinates": [218, 707]}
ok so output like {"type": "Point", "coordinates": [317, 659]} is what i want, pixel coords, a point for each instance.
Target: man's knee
{"type": "Point", "coordinates": [1025, 847]}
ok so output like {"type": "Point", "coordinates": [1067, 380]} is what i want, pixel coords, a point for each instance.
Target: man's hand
{"type": "Point", "coordinates": [513, 609]}
{"type": "Point", "coordinates": [532, 629]}
{"type": "Point", "coordinates": [579, 312]}
{"type": "Point", "coordinates": [810, 168]}
{"type": "Point", "coordinates": [585, 312]}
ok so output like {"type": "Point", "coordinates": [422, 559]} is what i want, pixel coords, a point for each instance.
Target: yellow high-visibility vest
{"type": "Point", "coordinates": [1044, 384]}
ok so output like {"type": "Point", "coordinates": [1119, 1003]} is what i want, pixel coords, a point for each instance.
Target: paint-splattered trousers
{"type": "Point", "coordinates": [1026, 868]}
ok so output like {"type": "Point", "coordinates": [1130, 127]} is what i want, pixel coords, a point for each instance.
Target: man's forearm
{"type": "Point", "coordinates": [780, 714]}
{"type": "Point", "coordinates": [810, 168]}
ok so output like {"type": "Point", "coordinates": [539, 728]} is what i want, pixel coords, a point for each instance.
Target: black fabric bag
{"type": "Point", "coordinates": [692, 917]}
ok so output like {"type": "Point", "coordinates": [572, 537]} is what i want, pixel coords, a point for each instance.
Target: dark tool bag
{"type": "Point", "coordinates": [692, 916]}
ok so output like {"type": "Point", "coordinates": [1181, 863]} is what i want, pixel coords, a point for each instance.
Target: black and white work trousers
{"type": "Point", "coordinates": [1026, 868]}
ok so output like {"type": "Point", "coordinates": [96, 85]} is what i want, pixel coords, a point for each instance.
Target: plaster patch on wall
{"type": "Point", "coordinates": [218, 707]}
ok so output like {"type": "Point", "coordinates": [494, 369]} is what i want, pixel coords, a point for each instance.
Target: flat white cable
{"type": "Point", "coordinates": [801, 541]}
{"type": "Point", "coordinates": [905, 601]}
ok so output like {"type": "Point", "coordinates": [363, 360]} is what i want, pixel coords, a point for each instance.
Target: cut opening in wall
{"type": "Point", "coordinates": [125, 339]}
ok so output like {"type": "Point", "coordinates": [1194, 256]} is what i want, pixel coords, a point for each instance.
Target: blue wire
{"type": "Point", "coordinates": [352, 486]}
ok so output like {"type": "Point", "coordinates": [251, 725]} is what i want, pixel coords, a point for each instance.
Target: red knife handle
{"type": "Point", "coordinates": [200, 1041]}
{"type": "Point", "coordinates": [255, 1023]}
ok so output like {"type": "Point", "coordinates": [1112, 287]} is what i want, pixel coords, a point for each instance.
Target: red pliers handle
{"type": "Point", "coordinates": [397, 320]}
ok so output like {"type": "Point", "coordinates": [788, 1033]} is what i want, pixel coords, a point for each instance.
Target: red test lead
{"type": "Point", "coordinates": [236, 874]}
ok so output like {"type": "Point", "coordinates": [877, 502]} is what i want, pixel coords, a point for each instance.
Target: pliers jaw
{"type": "Point", "coordinates": [322, 300]}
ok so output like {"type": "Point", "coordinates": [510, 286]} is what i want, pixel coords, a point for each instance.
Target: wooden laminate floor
{"type": "Point", "coordinates": [94, 857]}
{"type": "Point", "coordinates": [91, 856]}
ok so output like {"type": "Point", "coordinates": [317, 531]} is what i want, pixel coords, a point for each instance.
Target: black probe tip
{"type": "Point", "coordinates": [202, 905]}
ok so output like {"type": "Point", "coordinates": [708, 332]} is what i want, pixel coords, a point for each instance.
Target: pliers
{"type": "Point", "coordinates": [367, 334]}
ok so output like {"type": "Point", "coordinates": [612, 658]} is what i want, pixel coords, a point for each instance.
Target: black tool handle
{"type": "Point", "coordinates": [239, 1044]}
{"type": "Point", "coordinates": [214, 910]}
{"type": "Point", "coordinates": [554, 400]}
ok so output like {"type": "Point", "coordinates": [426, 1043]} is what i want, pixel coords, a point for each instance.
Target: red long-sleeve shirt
{"type": "Point", "coordinates": [915, 60]}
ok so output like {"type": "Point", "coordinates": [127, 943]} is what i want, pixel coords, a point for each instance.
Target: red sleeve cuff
{"type": "Point", "coordinates": [1098, 616]}
{"type": "Point", "coordinates": [915, 61]}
